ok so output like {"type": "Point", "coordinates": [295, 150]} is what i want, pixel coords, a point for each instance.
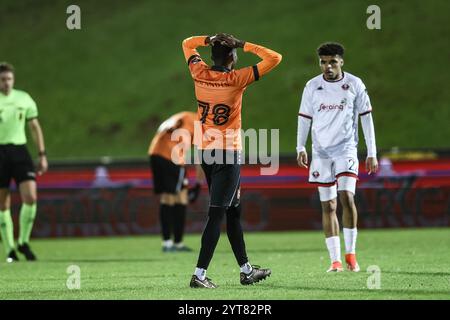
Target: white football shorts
{"type": "Point", "coordinates": [325, 173]}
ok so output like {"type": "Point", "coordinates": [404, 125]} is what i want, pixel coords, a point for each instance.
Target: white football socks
{"type": "Point", "coordinates": [350, 239]}
{"type": "Point", "coordinates": [246, 268]}
{"type": "Point", "coordinates": [200, 273]}
{"type": "Point", "coordinates": [167, 243]}
{"type": "Point", "coordinates": [334, 248]}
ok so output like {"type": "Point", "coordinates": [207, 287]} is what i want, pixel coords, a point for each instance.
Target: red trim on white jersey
{"type": "Point", "coordinates": [364, 113]}
{"type": "Point", "coordinates": [305, 116]}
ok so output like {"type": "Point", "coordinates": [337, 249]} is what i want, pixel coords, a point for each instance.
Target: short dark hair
{"type": "Point", "coordinates": [330, 49]}
{"type": "Point", "coordinates": [220, 53]}
{"type": "Point", "coordinates": [6, 67]}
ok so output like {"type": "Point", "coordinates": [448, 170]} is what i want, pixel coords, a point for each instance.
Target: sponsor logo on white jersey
{"type": "Point", "coordinates": [333, 107]}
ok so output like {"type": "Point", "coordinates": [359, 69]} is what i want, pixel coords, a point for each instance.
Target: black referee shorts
{"type": "Point", "coordinates": [15, 163]}
{"type": "Point", "coordinates": [223, 176]}
{"type": "Point", "coordinates": [167, 176]}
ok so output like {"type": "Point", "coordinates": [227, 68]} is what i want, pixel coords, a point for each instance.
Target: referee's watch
{"type": "Point", "coordinates": [42, 153]}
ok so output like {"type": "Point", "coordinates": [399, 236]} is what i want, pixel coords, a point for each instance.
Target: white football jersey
{"type": "Point", "coordinates": [334, 108]}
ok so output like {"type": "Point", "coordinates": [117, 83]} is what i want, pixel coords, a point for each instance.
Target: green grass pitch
{"type": "Point", "coordinates": [123, 73]}
{"type": "Point", "coordinates": [414, 264]}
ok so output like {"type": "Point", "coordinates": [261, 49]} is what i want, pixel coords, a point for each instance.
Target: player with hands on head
{"type": "Point", "coordinates": [219, 89]}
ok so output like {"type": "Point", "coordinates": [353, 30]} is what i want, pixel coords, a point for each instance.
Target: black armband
{"type": "Point", "coordinates": [256, 73]}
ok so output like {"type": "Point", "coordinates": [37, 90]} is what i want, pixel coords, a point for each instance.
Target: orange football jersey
{"type": "Point", "coordinates": [171, 143]}
{"type": "Point", "coordinates": [219, 93]}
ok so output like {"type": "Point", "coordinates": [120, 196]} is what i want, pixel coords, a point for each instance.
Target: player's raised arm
{"type": "Point", "coordinates": [191, 44]}
{"type": "Point", "coordinates": [245, 76]}
{"type": "Point", "coordinates": [270, 58]}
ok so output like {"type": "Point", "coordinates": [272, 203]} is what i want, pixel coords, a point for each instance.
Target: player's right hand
{"type": "Point", "coordinates": [194, 192]}
{"type": "Point", "coordinates": [302, 159]}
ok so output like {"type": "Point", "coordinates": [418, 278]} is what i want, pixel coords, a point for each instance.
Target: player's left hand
{"type": "Point", "coordinates": [371, 165]}
{"type": "Point", "coordinates": [211, 40]}
{"type": "Point", "coordinates": [42, 166]}
{"type": "Point", "coordinates": [229, 40]}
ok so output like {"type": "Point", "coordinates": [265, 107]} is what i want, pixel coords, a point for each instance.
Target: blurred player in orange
{"type": "Point", "coordinates": [167, 161]}
{"type": "Point", "coordinates": [219, 91]}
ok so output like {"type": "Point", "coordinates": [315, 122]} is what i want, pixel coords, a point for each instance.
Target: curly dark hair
{"type": "Point", "coordinates": [330, 49]}
{"type": "Point", "coordinates": [220, 53]}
